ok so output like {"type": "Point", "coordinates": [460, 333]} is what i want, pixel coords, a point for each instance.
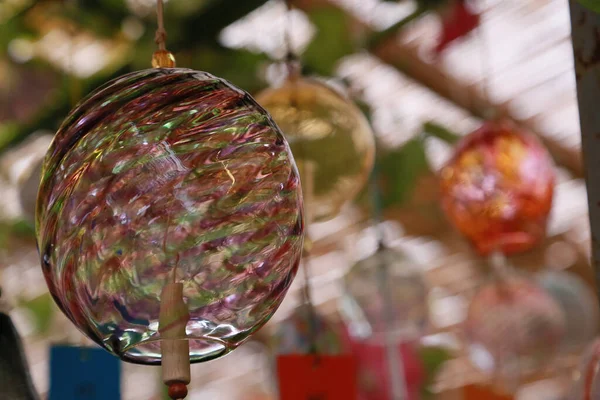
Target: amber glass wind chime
{"type": "Point", "coordinates": [333, 145]}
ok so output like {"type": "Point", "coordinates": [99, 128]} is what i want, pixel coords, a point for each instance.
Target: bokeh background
{"type": "Point", "coordinates": [520, 61]}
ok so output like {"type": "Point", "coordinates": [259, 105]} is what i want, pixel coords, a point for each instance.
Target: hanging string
{"type": "Point", "coordinates": [395, 363]}
{"type": "Point", "coordinates": [307, 171]}
{"type": "Point", "coordinates": [161, 34]}
{"type": "Point", "coordinates": [484, 57]}
{"type": "Point", "coordinates": [291, 58]}
{"type": "Point", "coordinates": [162, 58]}
{"type": "Point", "coordinates": [377, 206]}
{"type": "Point", "coordinates": [308, 190]}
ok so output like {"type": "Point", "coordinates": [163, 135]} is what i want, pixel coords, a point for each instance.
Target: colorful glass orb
{"type": "Point", "coordinates": [169, 174]}
{"type": "Point", "coordinates": [497, 188]}
{"type": "Point", "coordinates": [293, 335]}
{"type": "Point", "coordinates": [331, 139]}
{"type": "Point", "coordinates": [586, 379]}
{"type": "Point", "coordinates": [514, 328]}
{"type": "Point", "coordinates": [579, 306]}
{"type": "Point", "coordinates": [385, 292]}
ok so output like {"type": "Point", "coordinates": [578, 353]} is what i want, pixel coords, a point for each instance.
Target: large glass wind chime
{"type": "Point", "coordinates": [170, 217]}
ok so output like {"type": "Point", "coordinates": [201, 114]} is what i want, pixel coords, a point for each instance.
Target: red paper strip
{"type": "Point", "coordinates": [473, 392]}
{"type": "Point", "coordinates": [306, 377]}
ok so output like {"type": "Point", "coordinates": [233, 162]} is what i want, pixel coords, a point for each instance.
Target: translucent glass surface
{"type": "Point", "coordinates": [382, 293]}
{"type": "Point", "coordinates": [497, 188]}
{"type": "Point", "coordinates": [330, 138]}
{"type": "Point", "coordinates": [579, 306]}
{"type": "Point", "coordinates": [586, 379]}
{"type": "Point", "coordinates": [293, 335]}
{"type": "Point", "coordinates": [514, 328]}
{"type": "Point", "coordinates": [162, 173]}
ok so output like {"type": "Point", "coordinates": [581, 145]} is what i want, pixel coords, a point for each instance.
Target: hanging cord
{"type": "Point", "coordinates": [501, 273]}
{"type": "Point", "coordinates": [291, 60]}
{"type": "Point", "coordinates": [162, 58]}
{"type": "Point", "coordinates": [161, 34]}
{"type": "Point", "coordinates": [307, 170]}
{"type": "Point", "coordinates": [307, 298]}
{"type": "Point", "coordinates": [484, 58]}
{"type": "Point", "coordinates": [395, 363]}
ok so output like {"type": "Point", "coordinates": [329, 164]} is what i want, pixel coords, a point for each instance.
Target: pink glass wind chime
{"type": "Point", "coordinates": [497, 190]}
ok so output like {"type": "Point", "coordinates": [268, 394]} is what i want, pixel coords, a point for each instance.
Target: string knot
{"type": "Point", "coordinates": [161, 38]}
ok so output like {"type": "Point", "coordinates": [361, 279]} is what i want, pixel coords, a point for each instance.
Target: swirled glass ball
{"type": "Point", "coordinates": [579, 306]}
{"type": "Point", "coordinates": [169, 174]}
{"type": "Point", "coordinates": [514, 328]}
{"type": "Point", "coordinates": [294, 335]}
{"type": "Point", "coordinates": [497, 188]}
{"type": "Point", "coordinates": [331, 139]}
{"type": "Point", "coordinates": [385, 293]}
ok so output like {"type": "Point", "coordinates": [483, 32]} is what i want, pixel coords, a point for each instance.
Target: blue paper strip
{"type": "Point", "coordinates": [84, 373]}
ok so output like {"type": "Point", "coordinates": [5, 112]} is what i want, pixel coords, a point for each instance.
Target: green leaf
{"type": "Point", "coordinates": [23, 228]}
{"type": "Point", "coordinates": [593, 5]}
{"type": "Point", "coordinates": [433, 358]}
{"type": "Point", "coordinates": [331, 42]}
{"type": "Point", "coordinates": [226, 63]}
{"type": "Point", "coordinates": [399, 171]}
{"type": "Point", "coordinates": [440, 132]}
{"type": "Point", "coordinates": [42, 310]}
{"type": "Point", "coordinates": [15, 229]}
{"type": "Point", "coordinates": [8, 133]}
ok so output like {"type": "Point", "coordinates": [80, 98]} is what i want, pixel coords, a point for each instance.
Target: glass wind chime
{"type": "Point", "coordinates": [384, 304]}
{"type": "Point", "coordinates": [170, 217]}
{"type": "Point", "coordinates": [333, 145]}
{"type": "Point", "coordinates": [497, 190]}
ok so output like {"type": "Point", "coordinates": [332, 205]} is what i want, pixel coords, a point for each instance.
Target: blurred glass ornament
{"type": "Point", "coordinates": [387, 276]}
{"type": "Point", "coordinates": [579, 306]}
{"type": "Point", "coordinates": [329, 137]}
{"type": "Point", "coordinates": [586, 379]}
{"type": "Point", "coordinates": [513, 328]}
{"type": "Point", "coordinates": [497, 188]}
{"type": "Point", "coordinates": [162, 174]}
{"type": "Point", "coordinates": [294, 334]}
{"type": "Point", "coordinates": [374, 370]}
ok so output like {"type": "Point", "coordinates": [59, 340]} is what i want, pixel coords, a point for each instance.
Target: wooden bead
{"type": "Point", "coordinates": [163, 59]}
{"type": "Point", "coordinates": [178, 390]}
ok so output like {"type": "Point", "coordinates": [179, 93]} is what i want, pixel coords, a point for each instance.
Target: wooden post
{"type": "Point", "coordinates": [585, 27]}
{"type": "Point", "coordinates": [173, 318]}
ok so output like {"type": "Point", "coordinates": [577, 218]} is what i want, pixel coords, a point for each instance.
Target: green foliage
{"type": "Point", "coordinates": [399, 170]}
{"type": "Point", "coordinates": [433, 358]}
{"type": "Point", "coordinates": [9, 132]}
{"type": "Point", "coordinates": [227, 62]}
{"type": "Point", "coordinates": [593, 5]}
{"type": "Point", "coordinates": [441, 132]}
{"type": "Point", "coordinates": [15, 229]}
{"type": "Point", "coordinates": [331, 42]}
{"type": "Point", "coordinates": [42, 310]}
